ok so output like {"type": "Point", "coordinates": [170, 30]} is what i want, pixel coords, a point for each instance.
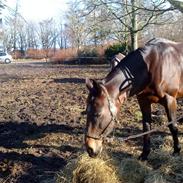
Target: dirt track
{"type": "Point", "coordinates": [41, 126]}
{"type": "Point", "coordinates": [40, 122]}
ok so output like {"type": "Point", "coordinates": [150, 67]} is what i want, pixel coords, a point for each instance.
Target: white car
{"type": "Point", "coordinates": [5, 58]}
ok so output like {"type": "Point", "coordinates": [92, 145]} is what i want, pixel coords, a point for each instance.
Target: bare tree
{"type": "Point", "coordinates": [15, 22]}
{"type": "Point", "coordinates": [15, 35]}
{"type": "Point", "coordinates": [2, 7]}
{"type": "Point", "coordinates": [173, 30]}
{"type": "Point", "coordinates": [32, 35]}
{"type": "Point", "coordinates": [177, 4]}
{"type": "Point", "coordinates": [75, 28]}
{"type": "Point", "coordinates": [128, 17]}
{"type": "Point", "coordinates": [60, 38]}
{"type": "Point", "coordinates": [47, 35]}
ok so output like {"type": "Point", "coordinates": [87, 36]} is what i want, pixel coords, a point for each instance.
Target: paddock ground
{"type": "Point", "coordinates": [41, 126]}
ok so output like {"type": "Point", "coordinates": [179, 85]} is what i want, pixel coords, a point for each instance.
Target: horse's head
{"type": "Point", "coordinates": [101, 112]}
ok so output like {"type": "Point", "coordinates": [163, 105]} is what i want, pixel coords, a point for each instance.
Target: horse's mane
{"type": "Point", "coordinates": [155, 41]}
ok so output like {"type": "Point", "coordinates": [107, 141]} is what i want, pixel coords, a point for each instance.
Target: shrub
{"type": "Point", "coordinates": [91, 55]}
{"type": "Point", "coordinates": [18, 54]}
{"type": "Point", "coordinates": [116, 48]}
{"type": "Point", "coordinates": [68, 55]}
{"type": "Point", "coordinates": [88, 52]}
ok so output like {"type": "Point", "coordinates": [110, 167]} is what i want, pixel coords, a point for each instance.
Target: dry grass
{"type": "Point", "coordinates": [133, 171]}
{"type": "Point", "coordinates": [173, 169]}
{"type": "Point", "coordinates": [64, 55]}
{"type": "Point", "coordinates": [166, 168]}
{"type": "Point", "coordinates": [161, 167]}
{"type": "Point", "coordinates": [155, 177]}
{"type": "Point", "coordinates": [38, 53]}
{"type": "Point", "coordinates": [89, 170]}
{"type": "Point", "coordinates": [105, 170]}
{"type": "Point", "coordinates": [71, 54]}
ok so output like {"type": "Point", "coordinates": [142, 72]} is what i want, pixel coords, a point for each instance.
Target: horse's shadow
{"type": "Point", "coordinates": [35, 166]}
{"type": "Point", "coordinates": [13, 134]}
{"type": "Point", "coordinates": [69, 80]}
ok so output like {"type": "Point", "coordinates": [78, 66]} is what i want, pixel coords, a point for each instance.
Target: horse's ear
{"type": "Point", "coordinates": [93, 86]}
{"type": "Point", "coordinates": [89, 83]}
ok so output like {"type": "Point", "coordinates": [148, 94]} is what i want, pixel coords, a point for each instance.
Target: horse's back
{"type": "Point", "coordinates": [165, 62]}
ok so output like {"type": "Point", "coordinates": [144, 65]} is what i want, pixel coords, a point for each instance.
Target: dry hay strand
{"type": "Point", "coordinates": [159, 157]}
{"type": "Point", "coordinates": [133, 171]}
{"type": "Point", "coordinates": [65, 176]}
{"type": "Point", "coordinates": [167, 166]}
{"type": "Point", "coordinates": [174, 169]}
{"type": "Point", "coordinates": [157, 141]}
{"type": "Point", "coordinates": [95, 170]}
{"type": "Point", "coordinates": [89, 170]}
{"type": "Point", "coordinates": [155, 177]}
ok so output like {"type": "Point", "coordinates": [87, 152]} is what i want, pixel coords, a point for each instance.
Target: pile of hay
{"type": "Point", "coordinates": [88, 170]}
{"type": "Point", "coordinates": [103, 170]}
{"type": "Point", "coordinates": [161, 167]}
{"type": "Point", "coordinates": [133, 170]}
{"type": "Point", "coordinates": [173, 169]}
{"type": "Point", "coordinates": [155, 177]}
{"type": "Point", "coordinates": [166, 168]}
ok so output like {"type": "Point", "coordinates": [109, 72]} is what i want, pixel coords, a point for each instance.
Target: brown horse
{"type": "Point", "coordinates": [154, 73]}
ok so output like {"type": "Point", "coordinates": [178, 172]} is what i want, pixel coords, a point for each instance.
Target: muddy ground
{"type": "Point", "coordinates": [41, 126]}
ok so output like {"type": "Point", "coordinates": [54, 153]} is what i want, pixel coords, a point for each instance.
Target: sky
{"type": "Point", "coordinates": [37, 10]}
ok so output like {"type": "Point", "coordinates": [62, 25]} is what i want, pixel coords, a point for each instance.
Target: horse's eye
{"type": "Point", "coordinates": [97, 115]}
{"type": "Point", "coordinates": [88, 109]}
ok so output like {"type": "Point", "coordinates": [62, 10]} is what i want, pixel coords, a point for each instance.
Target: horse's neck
{"type": "Point", "coordinates": [131, 77]}
{"type": "Point", "coordinates": [180, 47]}
{"type": "Point", "coordinates": [116, 83]}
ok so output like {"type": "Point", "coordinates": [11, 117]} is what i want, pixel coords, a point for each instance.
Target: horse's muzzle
{"type": "Point", "coordinates": [93, 146]}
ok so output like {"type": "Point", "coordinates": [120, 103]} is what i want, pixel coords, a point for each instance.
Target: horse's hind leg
{"type": "Point", "coordinates": [170, 105]}
{"type": "Point", "coordinates": [145, 106]}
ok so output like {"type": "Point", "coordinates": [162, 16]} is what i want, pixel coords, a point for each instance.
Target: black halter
{"type": "Point", "coordinates": [125, 85]}
{"type": "Point", "coordinates": [113, 116]}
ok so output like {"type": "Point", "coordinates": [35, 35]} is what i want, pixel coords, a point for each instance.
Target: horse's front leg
{"type": "Point", "coordinates": [170, 105]}
{"type": "Point", "coordinates": [145, 106]}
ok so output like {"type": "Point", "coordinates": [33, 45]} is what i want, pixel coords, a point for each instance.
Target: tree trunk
{"type": "Point", "coordinates": [15, 25]}
{"type": "Point", "coordinates": [133, 32]}
{"type": "Point", "coordinates": [134, 40]}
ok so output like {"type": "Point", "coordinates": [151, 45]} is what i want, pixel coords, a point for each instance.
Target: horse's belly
{"type": "Point", "coordinates": [180, 93]}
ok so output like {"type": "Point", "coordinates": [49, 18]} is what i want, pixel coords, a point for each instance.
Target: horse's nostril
{"type": "Point", "coordinates": [90, 151]}
{"type": "Point", "coordinates": [83, 112]}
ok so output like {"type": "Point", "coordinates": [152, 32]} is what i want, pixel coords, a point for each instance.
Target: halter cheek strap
{"type": "Point", "coordinates": [112, 110]}
{"type": "Point", "coordinates": [117, 59]}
